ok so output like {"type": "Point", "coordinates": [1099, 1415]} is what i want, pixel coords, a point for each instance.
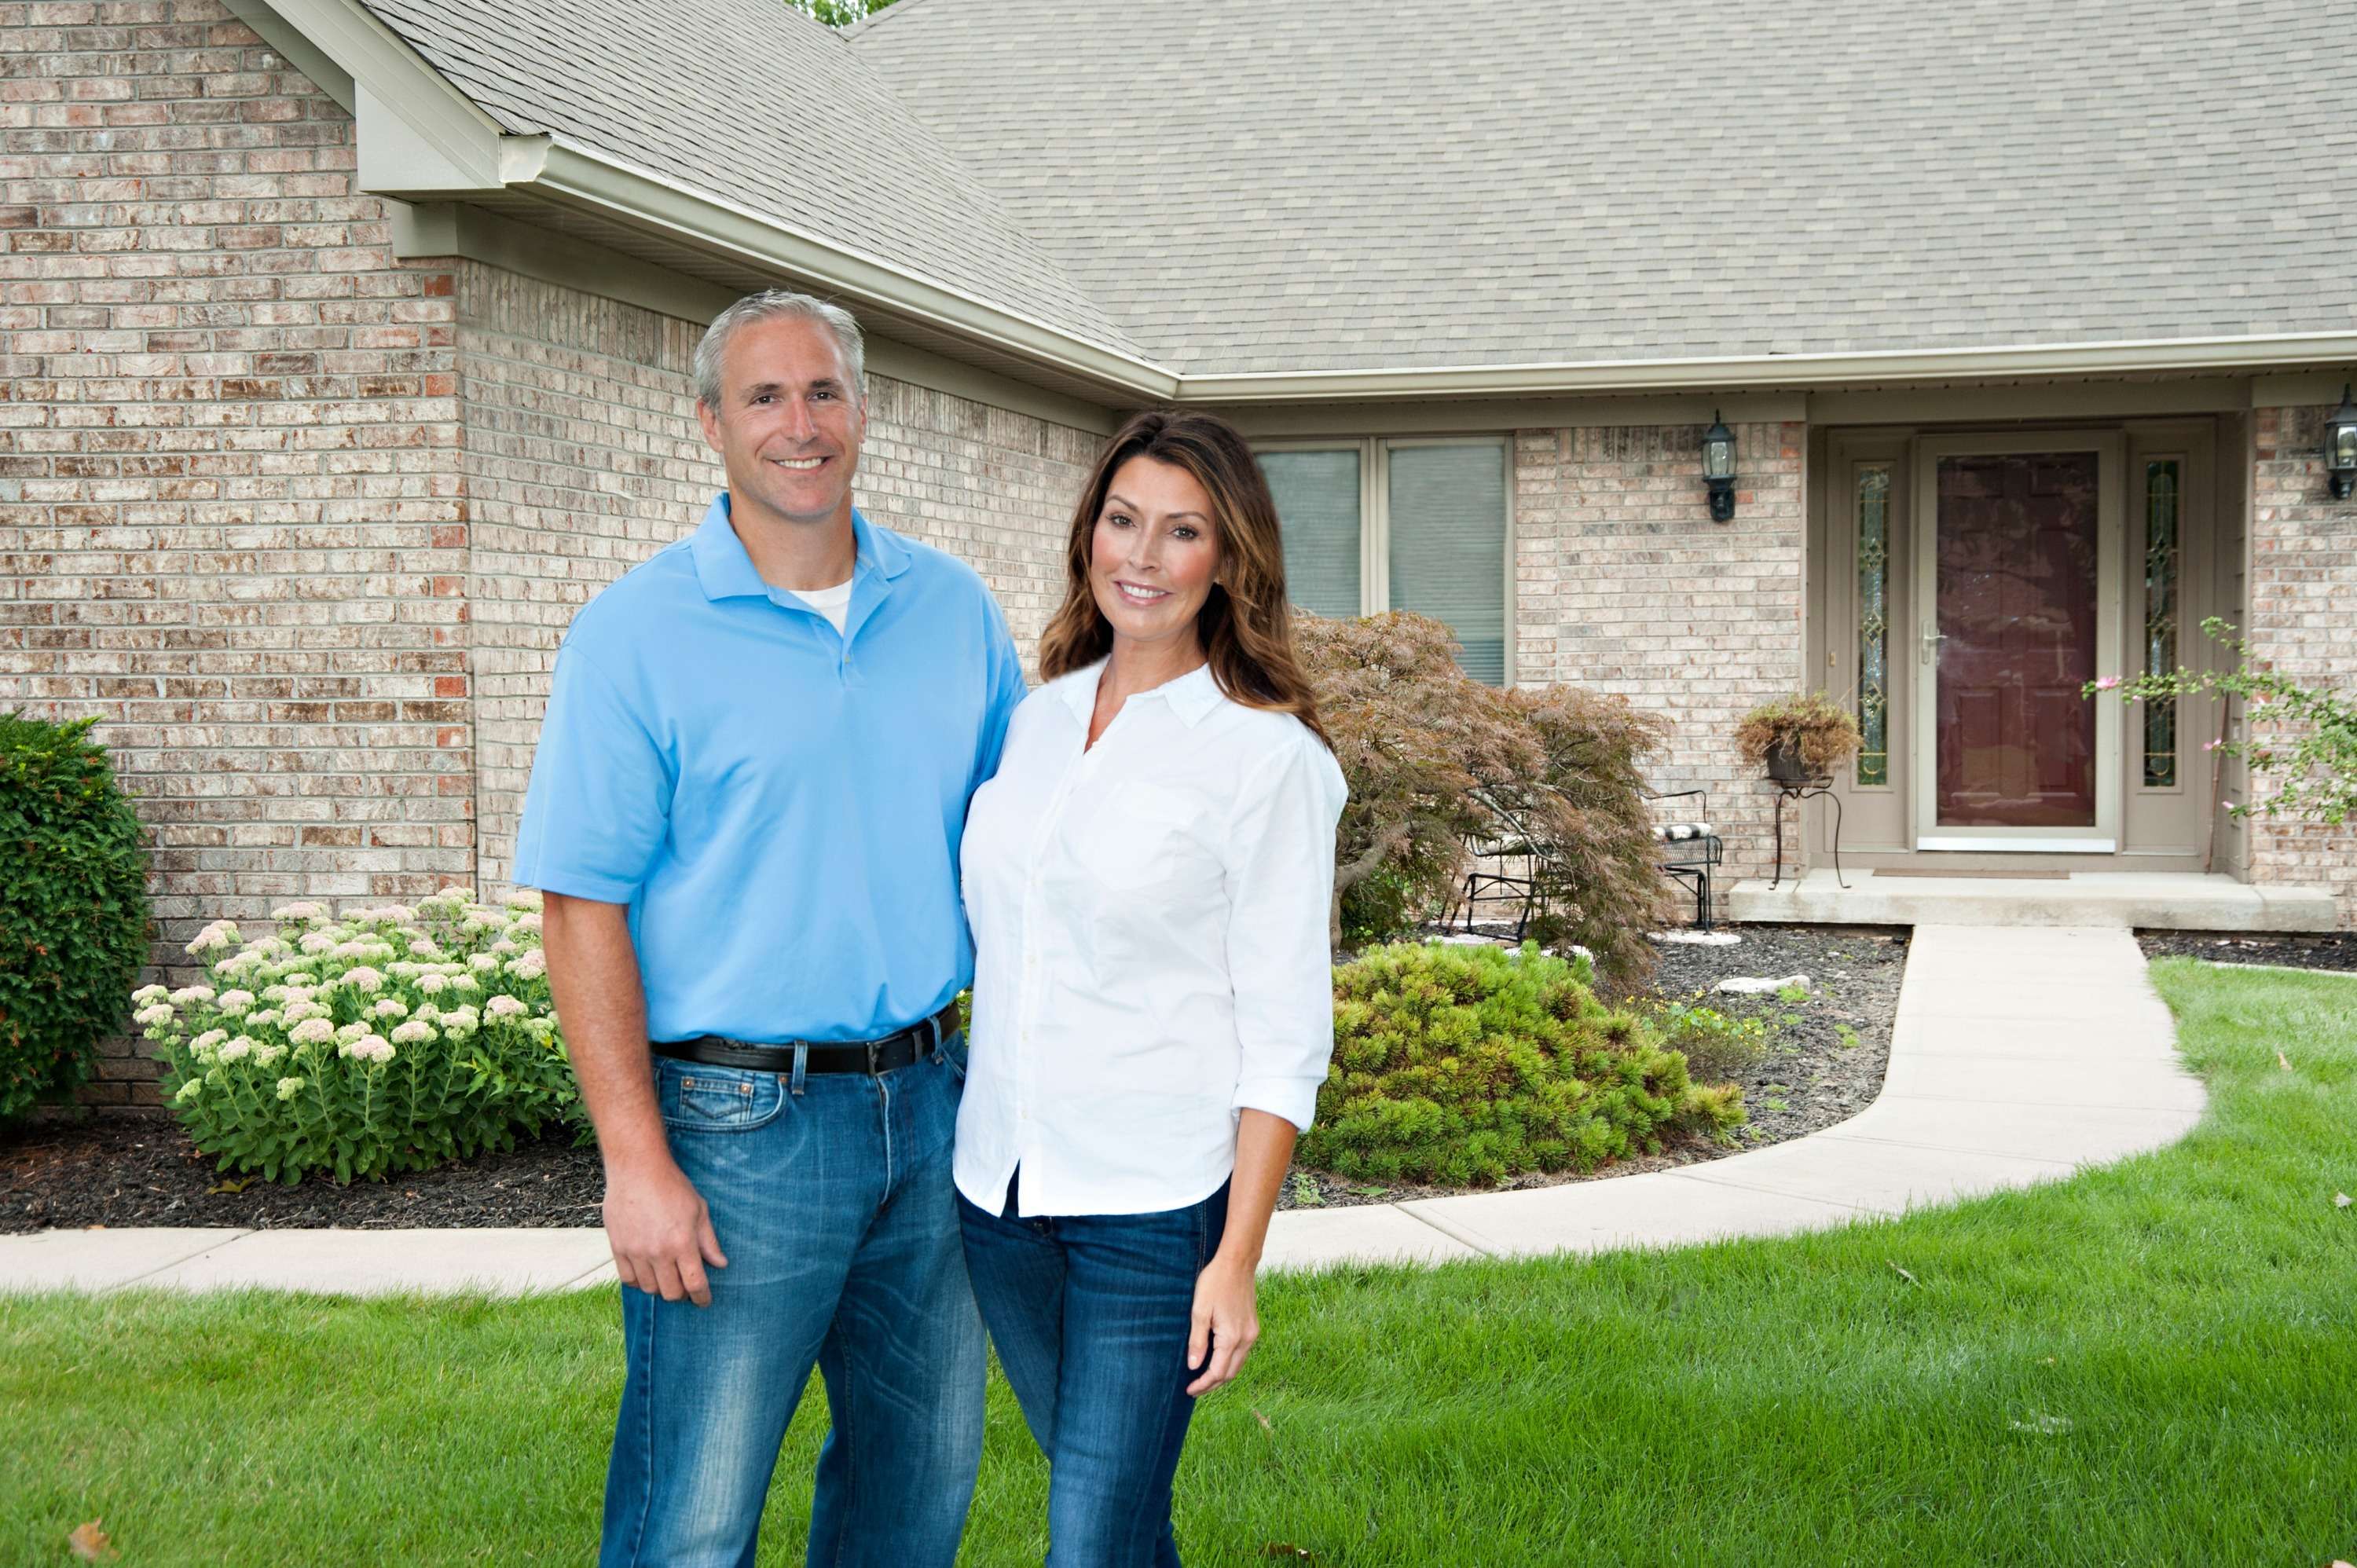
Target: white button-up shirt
{"type": "Point", "coordinates": [1150, 931]}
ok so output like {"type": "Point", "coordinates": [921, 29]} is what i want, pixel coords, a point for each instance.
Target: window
{"type": "Point", "coordinates": [2160, 550]}
{"type": "Point", "coordinates": [1874, 623]}
{"type": "Point", "coordinates": [1412, 525]}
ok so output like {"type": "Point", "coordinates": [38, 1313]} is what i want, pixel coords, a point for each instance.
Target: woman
{"type": "Point", "coordinates": [1149, 878]}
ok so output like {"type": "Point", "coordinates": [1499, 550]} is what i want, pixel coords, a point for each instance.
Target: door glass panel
{"type": "Point", "coordinates": [1874, 623]}
{"type": "Point", "coordinates": [2160, 619]}
{"type": "Point", "coordinates": [2017, 553]}
{"type": "Point", "coordinates": [1317, 511]}
{"type": "Point", "coordinates": [1449, 546]}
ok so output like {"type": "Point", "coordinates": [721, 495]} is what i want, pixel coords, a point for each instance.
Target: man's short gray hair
{"type": "Point", "coordinates": [772, 305]}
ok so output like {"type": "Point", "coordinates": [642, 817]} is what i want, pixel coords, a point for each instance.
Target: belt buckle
{"type": "Point", "coordinates": [871, 1045]}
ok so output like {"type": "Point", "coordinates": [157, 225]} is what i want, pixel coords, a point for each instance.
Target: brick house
{"type": "Point", "coordinates": [346, 354]}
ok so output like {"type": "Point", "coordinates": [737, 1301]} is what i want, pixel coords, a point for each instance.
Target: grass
{"type": "Point", "coordinates": [2153, 1363]}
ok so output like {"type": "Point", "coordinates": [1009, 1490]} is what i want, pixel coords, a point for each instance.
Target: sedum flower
{"type": "Point", "coordinates": [190, 1092]}
{"type": "Point", "coordinates": [391, 1007]}
{"type": "Point", "coordinates": [521, 898]}
{"type": "Point", "coordinates": [433, 984]}
{"type": "Point", "coordinates": [190, 995]}
{"type": "Point", "coordinates": [504, 946]}
{"type": "Point", "coordinates": [236, 1003]}
{"type": "Point", "coordinates": [374, 1049]}
{"type": "Point", "coordinates": [303, 1012]}
{"type": "Point", "coordinates": [460, 1022]}
{"type": "Point", "coordinates": [505, 1007]}
{"type": "Point", "coordinates": [267, 1052]}
{"type": "Point", "coordinates": [467, 984]}
{"type": "Point", "coordinates": [237, 1050]}
{"type": "Point", "coordinates": [317, 942]}
{"type": "Point", "coordinates": [416, 1032]}
{"type": "Point", "coordinates": [364, 979]}
{"type": "Point", "coordinates": [350, 1032]}
{"type": "Point", "coordinates": [265, 1019]}
{"type": "Point", "coordinates": [212, 939]}
{"type": "Point", "coordinates": [304, 911]}
{"type": "Point", "coordinates": [288, 1087]}
{"type": "Point", "coordinates": [208, 1040]}
{"type": "Point", "coordinates": [312, 1031]}
{"type": "Point", "coordinates": [148, 993]}
{"type": "Point", "coordinates": [154, 1016]}
{"type": "Point", "coordinates": [483, 962]}
{"type": "Point", "coordinates": [531, 966]}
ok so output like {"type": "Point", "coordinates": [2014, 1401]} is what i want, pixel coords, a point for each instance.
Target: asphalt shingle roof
{"type": "Point", "coordinates": [1250, 184]}
{"type": "Point", "coordinates": [748, 101]}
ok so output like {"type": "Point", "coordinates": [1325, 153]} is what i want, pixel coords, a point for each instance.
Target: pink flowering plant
{"type": "Point", "coordinates": [2306, 737]}
{"type": "Point", "coordinates": [391, 1040]}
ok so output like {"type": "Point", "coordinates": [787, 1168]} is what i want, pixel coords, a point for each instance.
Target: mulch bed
{"type": "Point", "coordinates": [1814, 1076]}
{"type": "Point", "coordinates": [123, 1170]}
{"type": "Point", "coordinates": [2335, 950]}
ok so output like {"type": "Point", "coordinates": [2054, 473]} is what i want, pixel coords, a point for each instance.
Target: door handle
{"type": "Point", "coordinates": [1932, 641]}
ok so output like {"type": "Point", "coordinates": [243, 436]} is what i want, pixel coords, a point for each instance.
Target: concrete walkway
{"type": "Point", "coordinates": [2018, 1056]}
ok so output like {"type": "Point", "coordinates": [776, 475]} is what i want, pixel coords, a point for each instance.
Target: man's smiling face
{"type": "Point", "coordinates": [789, 420]}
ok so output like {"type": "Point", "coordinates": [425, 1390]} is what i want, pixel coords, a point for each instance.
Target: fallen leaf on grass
{"type": "Point", "coordinates": [2339, 1200]}
{"type": "Point", "coordinates": [1264, 1426]}
{"type": "Point", "coordinates": [236, 1184]}
{"type": "Point", "coordinates": [1285, 1549]}
{"type": "Point", "coordinates": [90, 1543]}
{"type": "Point", "coordinates": [2283, 1061]}
{"type": "Point", "coordinates": [2045, 1425]}
{"type": "Point", "coordinates": [1903, 1274]}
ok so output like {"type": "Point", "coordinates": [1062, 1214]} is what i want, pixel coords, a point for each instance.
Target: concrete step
{"type": "Point", "coordinates": [2177, 901]}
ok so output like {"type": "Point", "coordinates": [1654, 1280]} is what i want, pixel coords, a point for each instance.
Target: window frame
{"type": "Point", "coordinates": [1374, 516]}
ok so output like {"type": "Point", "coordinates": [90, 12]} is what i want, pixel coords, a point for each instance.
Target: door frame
{"type": "Point", "coordinates": [2110, 447]}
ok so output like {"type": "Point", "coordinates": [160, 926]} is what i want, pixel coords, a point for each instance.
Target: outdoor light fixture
{"type": "Point", "coordinates": [1718, 468]}
{"type": "Point", "coordinates": [2341, 448]}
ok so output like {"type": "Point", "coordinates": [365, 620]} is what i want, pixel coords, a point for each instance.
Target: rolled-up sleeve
{"type": "Point", "coordinates": [1281, 888]}
{"type": "Point", "coordinates": [599, 799]}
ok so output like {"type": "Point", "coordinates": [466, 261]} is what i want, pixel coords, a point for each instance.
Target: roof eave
{"type": "Point", "coordinates": [1783, 371]}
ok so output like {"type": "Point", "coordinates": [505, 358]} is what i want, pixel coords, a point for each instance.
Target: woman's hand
{"type": "Point", "coordinates": [1226, 1322]}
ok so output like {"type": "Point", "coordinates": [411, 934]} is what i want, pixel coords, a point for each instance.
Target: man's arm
{"type": "Point", "coordinates": [655, 1220]}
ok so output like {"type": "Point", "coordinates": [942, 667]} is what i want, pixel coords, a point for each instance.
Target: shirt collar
{"type": "Point", "coordinates": [725, 570]}
{"type": "Point", "coordinates": [1190, 696]}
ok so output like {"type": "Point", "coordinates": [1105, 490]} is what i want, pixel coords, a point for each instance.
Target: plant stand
{"type": "Point", "coordinates": [1806, 789]}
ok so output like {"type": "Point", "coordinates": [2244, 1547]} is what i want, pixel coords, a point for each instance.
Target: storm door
{"type": "Point", "coordinates": [2018, 609]}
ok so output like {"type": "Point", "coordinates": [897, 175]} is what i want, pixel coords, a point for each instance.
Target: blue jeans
{"type": "Point", "coordinates": [836, 1209]}
{"type": "Point", "coordinates": [1091, 1314]}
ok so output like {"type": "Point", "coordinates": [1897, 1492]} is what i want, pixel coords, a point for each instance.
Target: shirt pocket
{"type": "Point", "coordinates": [1144, 836]}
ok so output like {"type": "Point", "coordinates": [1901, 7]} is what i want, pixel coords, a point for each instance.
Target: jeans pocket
{"type": "Point", "coordinates": [953, 1053]}
{"type": "Point", "coordinates": [699, 1098]}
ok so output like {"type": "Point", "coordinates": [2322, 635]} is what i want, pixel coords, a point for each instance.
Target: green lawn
{"type": "Point", "coordinates": [2156, 1363]}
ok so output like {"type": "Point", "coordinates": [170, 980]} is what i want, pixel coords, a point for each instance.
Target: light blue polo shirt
{"type": "Point", "coordinates": [779, 805]}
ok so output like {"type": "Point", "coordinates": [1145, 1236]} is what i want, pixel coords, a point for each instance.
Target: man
{"type": "Point", "coordinates": [745, 812]}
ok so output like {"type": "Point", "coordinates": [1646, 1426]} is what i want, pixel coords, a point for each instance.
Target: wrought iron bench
{"type": "Point", "coordinates": [1691, 852]}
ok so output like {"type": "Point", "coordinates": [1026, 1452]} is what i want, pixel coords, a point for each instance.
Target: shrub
{"type": "Point", "coordinates": [2305, 735]}
{"type": "Point", "coordinates": [392, 1040]}
{"type": "Point", "coordinates": [1716, 1046]}
{"type": "Point", "coordinates": [1466, 1065]}
{"type": "Point", "coordinates": [1435, 758]}
{"type": "Point", "coordinates": [73, 907]}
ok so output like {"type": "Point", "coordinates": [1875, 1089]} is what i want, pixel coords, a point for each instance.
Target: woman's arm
{"type": "Point", "coordinates": [1227, 1311]}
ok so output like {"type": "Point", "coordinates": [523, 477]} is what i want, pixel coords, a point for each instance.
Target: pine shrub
{"type": "Point", "coordinates": [1465, 1065]}
{"type": "Point", "coordinates": [73, 907]}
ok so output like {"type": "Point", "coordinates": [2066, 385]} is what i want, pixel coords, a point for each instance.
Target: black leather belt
{"type": "Point", "coordinates": [894, 1051]}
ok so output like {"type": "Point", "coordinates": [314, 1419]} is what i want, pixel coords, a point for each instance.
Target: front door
{"type": "Point", "coordinates": [2017, 561]}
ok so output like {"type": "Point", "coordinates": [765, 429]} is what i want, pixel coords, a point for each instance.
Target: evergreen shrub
{"type": "Point", "coordinates": [73, 907]}
{"type": "Point", "coordinates": [1466, 1064]}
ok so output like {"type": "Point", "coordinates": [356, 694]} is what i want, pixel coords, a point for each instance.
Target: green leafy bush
{"type": "Point", "coordinates": [392, 1040]}
{"type": "Point", "coordinates": [1466, 1065]}
{"type": "Point", "coordinates": [73, 907]}
{"type": "Point", "coordinates": [1717, 1046]}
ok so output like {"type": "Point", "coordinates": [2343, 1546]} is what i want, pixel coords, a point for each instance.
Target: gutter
{"type": "Point", "coordinates": [1901, 367]}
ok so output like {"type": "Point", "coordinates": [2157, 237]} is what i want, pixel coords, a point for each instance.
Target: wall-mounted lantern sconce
{"type": "Point", "coordinates": [1718, 468]}
{"type": "Point", "coordinates": [2341, 448]}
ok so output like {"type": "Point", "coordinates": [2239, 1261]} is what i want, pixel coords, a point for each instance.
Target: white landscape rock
{"type": "Point", "coordinates": [1697, 939]}
{"type": "Point", "coordinates": [1754, 986]}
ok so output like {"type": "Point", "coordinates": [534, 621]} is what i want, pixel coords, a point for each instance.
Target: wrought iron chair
{"type": "Point", "coordinates": [1691, 853]}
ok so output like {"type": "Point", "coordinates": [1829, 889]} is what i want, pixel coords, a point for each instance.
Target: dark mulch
{"type": "Point", "coordinates": [1814, 1076]}
{"type": "Point", "coordinates": [2335, 950]}
{"type": "Point", "coordinates": [142, 1170]}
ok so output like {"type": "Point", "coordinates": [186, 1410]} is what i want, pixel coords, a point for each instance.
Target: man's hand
{"type": "Point", "coordinates": [661, 1233]}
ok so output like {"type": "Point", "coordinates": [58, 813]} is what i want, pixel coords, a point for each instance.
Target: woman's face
{"type": "Point", "coordinates": [1153, 554]}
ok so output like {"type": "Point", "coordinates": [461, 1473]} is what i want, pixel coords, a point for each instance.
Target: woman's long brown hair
{"type": "Point", "coordinates": [1245, 624]}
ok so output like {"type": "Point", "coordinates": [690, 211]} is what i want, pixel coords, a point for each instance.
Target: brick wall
{"type": "Point", "coordinates": [583, 457]}
{"type": "Point", "coordinates": [1623, 584]}
{"type": "Point", "coordinates": [228, 483]}
{"type": "Point", "coordinates": [2302, 585]}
